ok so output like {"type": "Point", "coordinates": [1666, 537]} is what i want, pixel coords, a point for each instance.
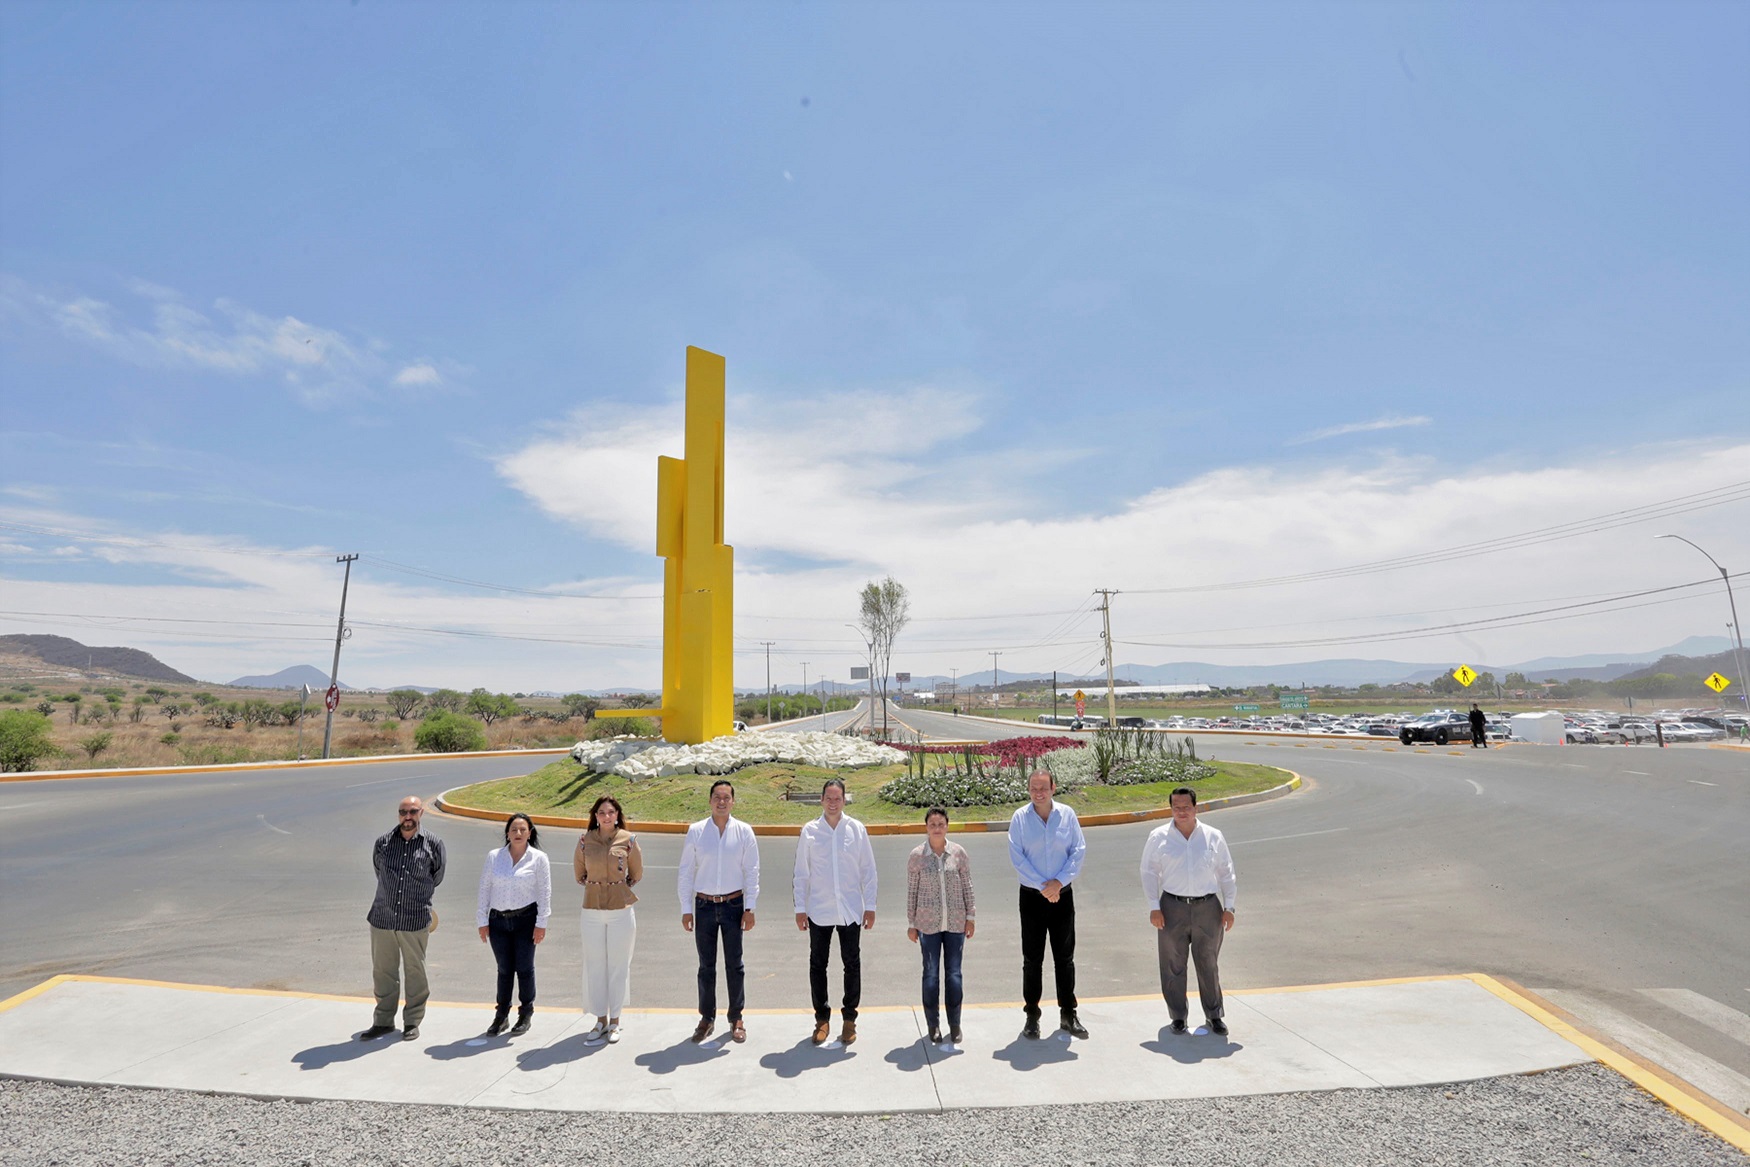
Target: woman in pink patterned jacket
{"type": "Point", "coordinates": [939, 915]}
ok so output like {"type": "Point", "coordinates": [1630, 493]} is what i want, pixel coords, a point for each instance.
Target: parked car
{"type": "Point", "coordinates": [1439, 728]}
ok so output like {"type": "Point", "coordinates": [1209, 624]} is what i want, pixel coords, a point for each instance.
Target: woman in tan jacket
{"type": "Point", "coordinates": [607, 863]}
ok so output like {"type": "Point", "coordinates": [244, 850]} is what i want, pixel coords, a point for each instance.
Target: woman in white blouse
{"type": "Point", "coordinates": [516, 896]}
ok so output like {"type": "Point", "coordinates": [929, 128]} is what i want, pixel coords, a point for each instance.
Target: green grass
{"type": "Point", "coordinates": [564, 788]}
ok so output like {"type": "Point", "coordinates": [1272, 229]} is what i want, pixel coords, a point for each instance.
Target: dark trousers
{"type": "Point", "coordinates": [1041, 920]}
{"type": "Point", "coordinates": [942, 948]}
{"type": "Point", "coordinates": [850, 955]}
{"type": "Point", "coordinates": [709, 922]}
{"type": "Point", "coordinates": [1479, 737]}
{"type": "Point", "coordinates": [1194, 929]}
{"type": "Point", "coordinates": [513, 945]}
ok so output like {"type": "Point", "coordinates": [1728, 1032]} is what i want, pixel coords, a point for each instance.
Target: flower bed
{"type": "Point", "coordinates": [635, 758]}
{"type": "Point", "coordinates": [957, 788]}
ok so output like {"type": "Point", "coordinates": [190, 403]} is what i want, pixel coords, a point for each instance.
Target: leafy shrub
{"type": "Point", "coordinates": [444, 732]}
{"type": "Point", "coordinates": [24, 740]}
{"type": "Point", "coordinates": [612, 727]}
{"type": "Point", "coordinates": [947, 786]}
{"type": "Point", "coordinates": [96, 744]}
{"type": "Point", "coordinates": [171, 739]}
{"type": "Point", "coordinates": [1071, 767]}
{"type": "Point", "coordinates": [1159, 768]}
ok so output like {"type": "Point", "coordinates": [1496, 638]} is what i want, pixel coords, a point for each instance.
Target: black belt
{"type": "Point", "coordinates": [1188, 899]}
{"type": "Point", "coordinates": [519, 913]}
{"type": "Point", "coordinates": [722, 899]}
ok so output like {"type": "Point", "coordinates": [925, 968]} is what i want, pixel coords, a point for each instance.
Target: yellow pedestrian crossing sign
{"type": "Point", "coordinates": [1464, 675]}
{"type": "Point", "coordinates": [1717, 683]}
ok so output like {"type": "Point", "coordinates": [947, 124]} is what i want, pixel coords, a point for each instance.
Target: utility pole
{"type": "Point", "coordinates": [1106, 595]}
{"type": "Point", "coordinates": [1054, 696]}
{"type": "Point", "coordinates": [996, 700]}
{"type": "Point", "coordinates": [334, 670]}
{"type": "Point", "coordinates": [768, 644]}
{"type": "Point", "coordinates": [302, 701]}
{"type": "Point", "coordinates": [954, 688]}
{"type": "Point", "coordinates": [804, 688]}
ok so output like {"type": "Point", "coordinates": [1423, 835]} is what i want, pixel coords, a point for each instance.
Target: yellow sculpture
{"type": "Point", "coordinates": [698, 692]}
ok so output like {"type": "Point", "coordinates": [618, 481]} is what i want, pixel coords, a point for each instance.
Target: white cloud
{"type": "Point", "coordinates": [854, 487]}
{"type": "Point", "coordinates": [1358, 427]}
{"type": "Point", "coordinates": [420, 374]}
{"type": "Point", "coordinates": [319, 364]}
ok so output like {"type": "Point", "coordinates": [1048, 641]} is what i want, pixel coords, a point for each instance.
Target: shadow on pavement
{"type": "Point", "coordinates": [682, 1053]}
{"type": "Point", "coordinates": [1189, 1049]}
{"type": "Point", "coordinates": [1028, 1053]}
{"type": "Point", "coordinates": [805, 1056]}
{"type": "Point", "coordinates": [910, 1058]}
{"type": "Point", "coordinates": [318, 1056]}
{"type": "Point", "coordinates": [568, 1049]}
{"type": "Point", "coordinates": [467, 1047]}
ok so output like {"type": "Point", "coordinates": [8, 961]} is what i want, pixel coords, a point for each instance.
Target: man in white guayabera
{"type": "Point", "coordinates": [835, 895]}
{"type": "Point", "coordinates": [719, 886]}
{"type": "Point", "coordinates": [1188, 880]}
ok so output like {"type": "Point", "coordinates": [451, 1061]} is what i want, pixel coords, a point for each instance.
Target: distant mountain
{"type": "Point", "coordinates": [1691, 666]}
{"type": "Point", "coordinates": [70, 654]}
{"type": "Point", "coordinates": [290, 678]}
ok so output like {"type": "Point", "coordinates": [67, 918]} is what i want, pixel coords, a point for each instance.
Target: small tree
{"type": "Point", "coordinates": [885, 608]}
{"type": "Point", "coordinates": [489, 707]}
{"type": "Point", "coordinates": [96, 744]}
{"type": "Point", "coordinates": [137, 711]}
{"type": "Point", "coordinates": [24, 739]}
{"type": "Point", "coordinates": [72, 700]}
{"type": "Point", "coordinates": [45, 707]}
{"type": "Point", "coordinates": [637, 700]}
{"type": "Point", "coordinates": [446, 699]}
{"type": "Point", "coordinates": [444, 732]}
{"type": "Point", "coordinates": [578, 705]}
{"type": "Point", "coordinates": [402, 703]}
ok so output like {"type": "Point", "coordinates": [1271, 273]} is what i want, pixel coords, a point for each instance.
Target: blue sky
{"type": "Point", "coordinates": [1017, 302]}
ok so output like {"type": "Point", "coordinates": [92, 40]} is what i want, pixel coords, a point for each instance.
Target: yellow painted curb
{"type": "Point", "coordinates": [1727, 746]}
{"type": "Point", "coordinates": [1117, 818]}
{"type": "Point", "coordinates": [232, 767]}
{"type": "Point", "coordinates": [1673, 1091]}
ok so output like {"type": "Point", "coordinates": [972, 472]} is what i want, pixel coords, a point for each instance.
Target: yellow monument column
{"type": "Point", "coordinates": [698, 618]}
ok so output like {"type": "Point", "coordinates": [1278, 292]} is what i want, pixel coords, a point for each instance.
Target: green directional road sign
{"type": "Point", "coordinates": [1293, 700]}
{"type": "Point", "coordinates": [1245, 709]}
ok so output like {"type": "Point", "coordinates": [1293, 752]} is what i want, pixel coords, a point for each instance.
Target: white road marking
{"type": "Point", "coordinates": [1723, 1082]}
{"type": "Point", "coordinates": [386, 781]}
{"type": "Point", "coordinates": [261, 818]}
{"type": "Point", "coordinates": [20, 805]}
{"type": "Point", "coordinates": [1699, 782]}
{"type": "Point", "coordinates": [1638, 773]}
{"type": "Point", "coordinates": [1474, 783]}
{"type": "Point", "coordinates": [1705, 1010]}
{"type": "Point", "coordinates": [1275, 838]}
{"type": "Point", "coordinates": [1574, 765]}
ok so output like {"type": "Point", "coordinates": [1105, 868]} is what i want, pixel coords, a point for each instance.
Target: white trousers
{"type": "Point", "coordinates": [607, 959]}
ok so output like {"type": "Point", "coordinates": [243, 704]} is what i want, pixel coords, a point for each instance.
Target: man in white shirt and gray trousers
{"type": "Point", "coordinates": [835, 894]}
{"type": "Point", "coordinates": [1188, 878]}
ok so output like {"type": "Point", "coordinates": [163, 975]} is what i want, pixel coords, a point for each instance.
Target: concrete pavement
{"type": "Point", "coordinates": [288, 1045]}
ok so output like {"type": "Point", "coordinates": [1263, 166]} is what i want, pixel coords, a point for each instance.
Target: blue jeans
{"type": "Point", "coordinates": [712, 922]}
{"type": "Point", "coordinates": [935, 946]}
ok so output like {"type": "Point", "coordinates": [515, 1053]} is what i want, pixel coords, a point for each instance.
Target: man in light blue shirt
{"type": "Point", "coordinates": [1046, 847]}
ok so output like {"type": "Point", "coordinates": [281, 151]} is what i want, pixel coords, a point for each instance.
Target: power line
{"type": "Point", "coordinates": [1684, 504]}
{"type": "Point", "coordinates": [546, 594]}
{"type": "Point", "coordinates": [1515, 620]}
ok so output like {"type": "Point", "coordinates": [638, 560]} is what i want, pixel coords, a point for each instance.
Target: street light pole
{"type": "Point", "coordinates": [1737, 629]}
{"type": "Point", "coordinates": [804, 689]}
{"type": "Point", "coordinates": [996, 701]}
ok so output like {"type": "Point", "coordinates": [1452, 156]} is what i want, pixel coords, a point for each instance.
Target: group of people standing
{"type": "Point", "coordinates": [1187, 877]}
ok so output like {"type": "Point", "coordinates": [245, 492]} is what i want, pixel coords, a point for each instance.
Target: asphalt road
{"type": "Point", "coordinates": [1607, 871]}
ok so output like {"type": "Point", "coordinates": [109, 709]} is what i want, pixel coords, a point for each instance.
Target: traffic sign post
{"type": "Point", "coordinates": [332, 698]}
{"type": "Point", "coordinates": [1464, 675]}
{"type": "Point", "coordinates": [1717, 683]}
{"type": "Point", "coordinates": [1245, 709]}
{"type": "Point", "coordinates": [1292, 700]}
{"type": "Point", "coordinates": [1081, 702]}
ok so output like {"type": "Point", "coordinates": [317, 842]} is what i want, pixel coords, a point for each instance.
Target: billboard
{"type": "Point", "coordinates": [859, 672]}
{"type": "Point", "coordinates": [902, 678]}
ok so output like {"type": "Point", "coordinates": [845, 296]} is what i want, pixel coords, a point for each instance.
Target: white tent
{"type": "Point", "coordinates": [1544, 728]}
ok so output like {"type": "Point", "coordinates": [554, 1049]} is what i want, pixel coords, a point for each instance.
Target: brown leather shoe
{"type": "Point", "coordinates": [849, 1033]}
{"type": "Point", "coordinates": [738, 1031]}
{"type": "Point", "coordinates": [822, 1030]}
{"type": "Point", "coordinates": [703, 1030]}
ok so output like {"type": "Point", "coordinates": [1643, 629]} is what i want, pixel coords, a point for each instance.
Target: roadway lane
{"type": "Point", "coordinates": [1611, 872]}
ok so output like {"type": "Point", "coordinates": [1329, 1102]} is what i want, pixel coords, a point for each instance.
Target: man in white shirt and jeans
{"type": "Point", "coordinates": [835, 893]}
{"type": "Point", "coordinates": [719, 885]}
{"type": "Point", "coordinates": [1188, 879]}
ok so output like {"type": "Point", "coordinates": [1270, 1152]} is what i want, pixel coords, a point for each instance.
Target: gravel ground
{"type": "Point", "coordinates": [1584, 1115]}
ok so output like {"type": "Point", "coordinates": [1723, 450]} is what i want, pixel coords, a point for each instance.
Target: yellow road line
{"type": "Point", "coordinates": [1673, 1091]}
